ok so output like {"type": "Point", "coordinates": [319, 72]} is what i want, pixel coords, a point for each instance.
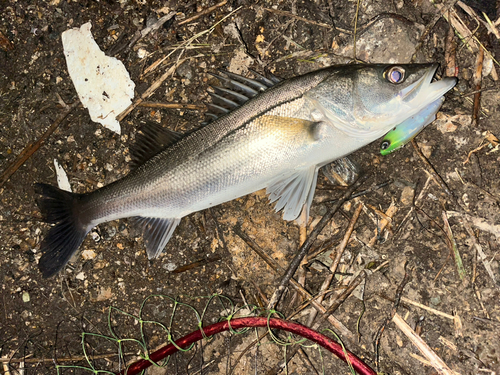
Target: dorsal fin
{"type": "Point", "coordinates": [234, 91]}
{"type": "Point", "coordinates": [151, 139]}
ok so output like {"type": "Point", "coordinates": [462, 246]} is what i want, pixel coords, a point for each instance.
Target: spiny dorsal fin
{"type": "Point", "coordinates": [234, 91]}
{"type": "Point", "coordinates": [151, 139]}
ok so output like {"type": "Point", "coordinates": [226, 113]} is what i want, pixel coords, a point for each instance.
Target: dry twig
{"type": "Point", "coordinates": [476, 81]}
{"type": "Point", "coordinates": [397, 300]}
{"type": "Point", "coordinates": [336, 261]}
{"type": "Point", "coordinates": [480, 252]}
{"type": "Point", "coordinates": [427, 308]}
{"type": "Point", "coordinates": [275, 266]}
{"type": "Point", "coordinates": [291, 15]}
{"type": "Point", "coordinates": [202, 13]}
{"type": "Point", "coordinates": [450, 53]}
{"type": "Point", "coordinates": [435, 175]}
{"type": "Point", "coordinates": [155, 26]}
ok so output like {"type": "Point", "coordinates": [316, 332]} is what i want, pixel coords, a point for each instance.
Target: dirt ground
{"type": "Point", "coordinates": [42, 320]}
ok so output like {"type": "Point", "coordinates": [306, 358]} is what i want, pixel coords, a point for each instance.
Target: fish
{"type": "Point", "coordinates": [265, 134]}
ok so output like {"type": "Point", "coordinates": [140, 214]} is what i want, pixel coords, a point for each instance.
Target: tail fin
{"type": "Point", "coordinates": [59, 207]}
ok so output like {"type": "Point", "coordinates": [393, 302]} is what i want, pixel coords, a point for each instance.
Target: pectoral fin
{"type": "Point", "coordinates": [156, 232]}
{"type": "Point", "coordinates": [294, 191]}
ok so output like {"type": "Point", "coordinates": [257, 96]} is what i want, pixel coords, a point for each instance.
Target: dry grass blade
{"type": "Point", "coordinates": [171, 106]}
{"type": "Point", "coordinates": [461, 28]}
{"type": "Point", "coordinates": [490, 26]}
{"type": "Point", "coordinates": [75, 358]}
{"type": "Point", "coordinates": [478, 222]}
{"type": "Point", "coordinates": [468, 37]}
{"type": "Point", "coordinates": [442, 9]}
{"type": "Point", "coordinates": [291, 15]}
{"type": "Point", "coordinates": [155, 85]}
{"type": "Point", "coordinates": [183, 46]}
{"type": "Point", "coordinates": [421, 345]}
{"type": "Point", "coordinates": [480, 251]}
{"type": "Point", "coordinates": [453, 247]}
{"type": "Point", "coordinates": [429, 309]}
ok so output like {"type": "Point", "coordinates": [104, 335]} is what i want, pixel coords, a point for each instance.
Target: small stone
{"type": "Point", "coordinates": [104, 294]}
{"type": "Point", "coordinates": [88, 254]}
{"type": "Point", "coordinates": [435, 301]}
{"type": "Point", "coordinates": [407, 196]}
{"type": "Point", "coordinates": [426, 149]}
{"type": "Point", "coordinates": [141, 53]}
{"type": "Point", "coordinates": [26, 297]}
{"type": "Point", "coordinates": [108, 233]}
{"type": "Point", "coordinates": [95, 236]}
{"type": "Point", "coordinates": [170, 266]}
{"type": "Point", "coordinates": [465, 199]}
{"type": "Point", "coordinates": [185, 71]}
{"type": "Point", "coordinates": [80, 276]}
{"type": "Point", "coordinates": [446, 127]}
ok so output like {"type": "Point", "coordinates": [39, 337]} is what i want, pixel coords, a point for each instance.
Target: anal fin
{"type": "Point", "coordinates": [157, 231]}
{"type": "Point", "coordinates": [293, 191]}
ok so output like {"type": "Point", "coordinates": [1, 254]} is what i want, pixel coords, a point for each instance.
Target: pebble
{"type": "Point", "coordinates": [407, 195]}
{"type": "Point", "coordinates": [26, 297]}
{"type": "Point", "coordinates": [88, 254]}
{"type": "Point", "coordinates": [185, 71]}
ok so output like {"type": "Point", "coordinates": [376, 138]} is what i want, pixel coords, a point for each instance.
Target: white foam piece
{"type": "Point", "coordinates": [102, 82]}
{"type": "Point", "coordinates": [62, 177]}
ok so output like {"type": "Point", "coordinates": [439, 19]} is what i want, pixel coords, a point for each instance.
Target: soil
{"type": "Point", "coordinates": [42, 320]}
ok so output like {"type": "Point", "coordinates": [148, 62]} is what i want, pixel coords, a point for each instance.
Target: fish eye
{"type": "Point", "coordinates": [395, 74]}
{"type": "Point", "coordinates": [385, 145]}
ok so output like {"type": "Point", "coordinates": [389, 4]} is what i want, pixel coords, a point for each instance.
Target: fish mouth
{"type": "Point", "coordinates": [424, 91]}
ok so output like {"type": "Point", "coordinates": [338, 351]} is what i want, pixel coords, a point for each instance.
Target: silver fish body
{"type": "Point", "coordinates": [277, 140]}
